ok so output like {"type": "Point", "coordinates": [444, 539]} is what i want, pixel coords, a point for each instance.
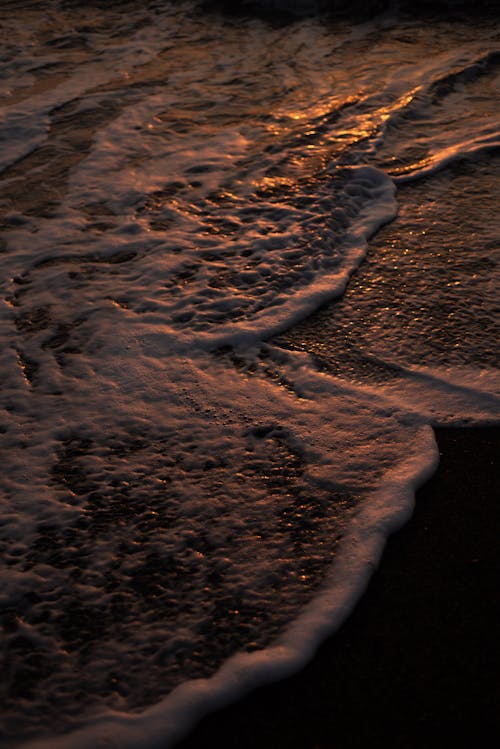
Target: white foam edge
{"type": "Point", "coordinates": [167, 722]}
{"type": "Point", "coordinates": [446, 156]}
{"type": "Point", "coordinates": [435, 395]}
{"type": "Point", "coordinates": [301, 303]}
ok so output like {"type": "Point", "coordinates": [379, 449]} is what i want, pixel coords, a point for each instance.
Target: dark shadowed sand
{"type": "Point", "coordinates": [418, 662]}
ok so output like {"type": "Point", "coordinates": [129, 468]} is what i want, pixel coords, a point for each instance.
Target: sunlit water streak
{"type": "Point", "coordinates": [179, 484]}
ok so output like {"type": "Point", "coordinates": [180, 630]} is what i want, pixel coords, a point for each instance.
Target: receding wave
{"type": "Point", "coordinates": [202, 460]}
{"type": "Point", "coordinates": [461, 97]}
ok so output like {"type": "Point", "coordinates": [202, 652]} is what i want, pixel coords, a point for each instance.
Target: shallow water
{"type": "Point", "coordinates": [198, 463]}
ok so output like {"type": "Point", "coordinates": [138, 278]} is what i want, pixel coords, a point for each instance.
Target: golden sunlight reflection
{"type": "Point", "coordinates": [324, 130]}
{"type": "Point", "coordinates": [227, 333]}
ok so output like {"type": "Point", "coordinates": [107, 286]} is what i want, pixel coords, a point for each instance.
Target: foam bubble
{"type": "Point", "coordinates": [189, 509]}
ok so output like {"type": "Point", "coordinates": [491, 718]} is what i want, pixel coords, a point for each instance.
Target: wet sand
{"type": "Point", "coordinates": [417, 663]}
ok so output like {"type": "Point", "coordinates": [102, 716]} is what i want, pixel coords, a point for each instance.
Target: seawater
{"type": "Point", "coordinates": [201, 462]}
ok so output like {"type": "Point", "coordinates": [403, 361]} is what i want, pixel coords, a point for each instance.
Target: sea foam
{"type": "Point", "coordinates": [190, 503]}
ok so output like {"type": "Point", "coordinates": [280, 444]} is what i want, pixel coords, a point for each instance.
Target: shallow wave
{"type": "Point", "coordinates": [447, 120]}
{"type": "Point", "coordinates": [178, 489]}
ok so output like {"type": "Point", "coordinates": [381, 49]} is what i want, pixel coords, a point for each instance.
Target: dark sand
{"type": "Point", "coordinates": [418, 662]}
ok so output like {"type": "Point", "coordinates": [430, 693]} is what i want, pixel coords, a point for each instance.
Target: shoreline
{"type": "Point", "coordinates": [415, 664]}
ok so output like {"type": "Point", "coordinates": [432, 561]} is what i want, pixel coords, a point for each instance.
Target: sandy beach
{"type": "Point", "coordinates": [246, 263]}
{"type": "Point", "coordinates": [416, 664]}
